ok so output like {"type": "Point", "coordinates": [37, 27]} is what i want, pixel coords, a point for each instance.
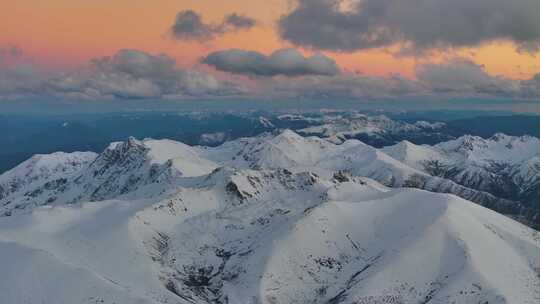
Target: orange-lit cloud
{"type": "Point", "coordinates": [64, 34]}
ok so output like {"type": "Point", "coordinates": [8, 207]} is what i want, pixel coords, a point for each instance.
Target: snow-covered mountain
{"type": "Point", "coordinates": [126, 166]}
{"type": "Point", "coordinates": [121, 169]}
{"type": "Point", "coordinates": [297, 153]}
{"type": "Point", "coordinates": [506, 166]}
{"type": "Point", "coordinates": [376, 129]}
{"type": "Point", "coordinates": [41, 172]}
{"type": "Point", "coordinates": [361, 123]}
{"type": "Point", "coordinates": [270, 219]}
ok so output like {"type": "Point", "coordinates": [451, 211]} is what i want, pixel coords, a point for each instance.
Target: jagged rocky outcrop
{"type": "Point", "coordinates": [120, 169]}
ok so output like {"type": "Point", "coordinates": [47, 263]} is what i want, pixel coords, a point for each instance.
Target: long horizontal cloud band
{"type": "Point", "coordinates": [288, 62]}
{"type": "Point", "coordinates": [128, 74]}
{"type": "Point", "coordinates": [132, 74]}
{"type": "Point", "coordinates": [321, 24]}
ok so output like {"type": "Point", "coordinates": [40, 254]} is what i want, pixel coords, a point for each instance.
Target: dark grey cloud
{"type": "Point", "coordinates": [19, 81]}
{"type": "Point", "coordinates": [531, 88]}
{"type": "Point", "coordinates": [128, 74]}
{"type": "Point", "coordinates": [464, 77]}
{"type": "Point", "coordinates": [235, 22]}
{"type": "Point", "coordinates": [343, 86]}
{"type": "Point", "coordinates": [420, 25]}
{"type": "Point", "coordinates": [189, 25]}
{"type": "Point", "coordinates": [455, 78]}
{"type": "Point", "coordinates": [17, 73]}
{"type": "Point", "coordinates": [287, 62]}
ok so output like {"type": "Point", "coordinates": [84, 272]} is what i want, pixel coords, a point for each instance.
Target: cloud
{"type": "Point", "coordinates": [136, 74]}
{"type": "Point", "coordinates": [235, 22]}
{"type": "Point", "coordinates": [287, 62]}
{"type": "Point", "coordinates": [132, 74]}
{"type": "Point", "coordinates": [19, 81]}
{"type": "Point", "coordinates": [343, 86]}
{"type": "Point", "coordinates": [420, 25]}
{"type": "Point", "coordinates": [455, 78]}
{"type": "Point", "coordinates": [18, 75]}
{"type": "Point", "coordinates": [128, 74]}
{"type": "Point", "coordinates": [189, 26]}
{"type": "Point", "coordinates": [531, 88]}
{"type": "Point", "coordinates": [464, 77]}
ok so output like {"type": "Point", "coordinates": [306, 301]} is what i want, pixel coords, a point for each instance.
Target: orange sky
{"type": "Point", "coordinates": [67, 33]}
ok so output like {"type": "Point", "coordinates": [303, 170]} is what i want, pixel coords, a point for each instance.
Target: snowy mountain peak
{"type": "Point", "coordinates": [42, 170]}
{"type": "Point", "coordinates": [500, 137]}
{"type": "Point", "coordinates": [404, 147]}
{"type": "Point", "coordinates": [184, 159]}
{"type": "Point", "coordinates": [506, 166]}
{"type": "Point", "coordinates": [288, 136]}
{"type": "Point", "coordinates": [47, 164]}
{"type": "Point", "coordinates": [122, 168]}
{"type": "Point", "coordinates": [122, 153]}
{"type": "Point", "coordinates": [498, 148]}
{"type": "Point", "coordinates": [411, 154]}
{"type": "Point", "coordinates": [469, 143]}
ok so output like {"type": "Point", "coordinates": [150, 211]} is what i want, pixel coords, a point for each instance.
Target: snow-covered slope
{"type": "Point", "coordinates": [505, 166]}
{"type": "Point", "coordinates": [258, 236]}
{"type": "Point", "coordinates": [294, 152]}
{"type": "Point", "coordinates": [411, 154]}
{"type": "Point", "coordinates": [184, 158]}
{"type": "Point", "coordinates": [43, 168]}
{"type": "Point", "coordinates": [121, 169]}
{"type": "Point", "coordinates": [474, 156]}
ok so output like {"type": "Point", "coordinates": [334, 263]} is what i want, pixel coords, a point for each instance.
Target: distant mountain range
{"type": "Point", "coordinates": [44, 134]}
{"type": "Point", "coordinates": [274, 218]}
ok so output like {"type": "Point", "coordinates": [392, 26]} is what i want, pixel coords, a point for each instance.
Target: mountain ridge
{"type": "Point", "coordinates": [271, 219]}
{"type": "Point", "coordinates": [503, 165]}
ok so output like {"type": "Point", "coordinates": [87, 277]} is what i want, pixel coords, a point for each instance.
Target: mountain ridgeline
{"type": "Point", "coordinates": [44, 134]}
{"type": "Point", "coordinates": [275, 218]}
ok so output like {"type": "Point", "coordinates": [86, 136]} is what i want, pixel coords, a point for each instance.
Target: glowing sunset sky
{"type": "Point", "coordinates": [60, 33]}
{"type": "Point", "coordinates": [494, 46]}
